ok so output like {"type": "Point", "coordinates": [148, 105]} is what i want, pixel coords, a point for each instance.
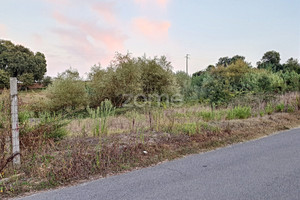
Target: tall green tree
{"type": "Point", "coordinates": [270, 61]}
{"type": "Point", "coordinates": [226, 61]}
{"type": "Point", "coordinates": [17, 60]}
{"type": "Point", "coordinates": [291, 65]}
{"type": "Point", "coordinates": [184, 81]}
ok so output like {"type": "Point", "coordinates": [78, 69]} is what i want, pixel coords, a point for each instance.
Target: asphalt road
{"type": "Point", "coordinates": [268, 168]}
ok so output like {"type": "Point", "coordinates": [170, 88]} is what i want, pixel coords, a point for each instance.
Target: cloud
{"type": "Point", "coordinates": [161, 3]}
{"type": "Point", "coordinates": [151, 29]}
{"type": "Point", "coordinates": [105, 10]}
{"type": "Point", "coordinates": [87, 40]}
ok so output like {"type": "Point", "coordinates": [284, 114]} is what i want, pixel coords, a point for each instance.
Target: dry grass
{"type": "Point", "coordinates": [164, 134]}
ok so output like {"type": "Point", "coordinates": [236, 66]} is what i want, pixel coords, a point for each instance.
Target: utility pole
{"type": "Point", "coordinates": [15, 121]}
{"type": "Point", "coordinates": [187, 57]}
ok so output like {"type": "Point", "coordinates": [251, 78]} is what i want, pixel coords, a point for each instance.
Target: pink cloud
{"type": "Point", "coordinates": [161, 3]}
{"type": "Point", "coordinates": [87, 40]}
{"type": "Point", "coordinates": [151, 29]}
{"type": "Point", "coordinates": [105, 10]}
{"type": "Point", "coordinates": [62, 19]}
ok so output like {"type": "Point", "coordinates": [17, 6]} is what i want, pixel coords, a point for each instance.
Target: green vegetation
{"type": "Point", "coordinates": [77, 128]}
{"type": "Point", "coordinates": [239, 113]}
{"type": "Point", "coordinates": [17, 60]}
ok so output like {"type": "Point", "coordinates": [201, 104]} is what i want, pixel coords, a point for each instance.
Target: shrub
{"type": "Point", "coordinates": [128, 77]}
{"type": "Point", "coordinates": [239, 113]}
{"type": "Point", "coordinates": [4, 79]}
{"type": "Point", "coordinates": [46, 127]}
{"type": "Point", "coordinates": [269, 109]}
{"type": "Point", "coordinates": [67, 92]}
{"type": "Point", "coordinates": [211, 115]}
{"type": "Point", "coordinates": [188, 129]}
{"type": "Point", "coordinates": [100, 116]}
{"type": "Point", "coordinates": [290, 109]}
{"type": "Point", "coordinates": [261, 113]}
{"type": "Point", "coordinates": [280, 107]}
{"type": "Point", "coordinates": [4, 129]}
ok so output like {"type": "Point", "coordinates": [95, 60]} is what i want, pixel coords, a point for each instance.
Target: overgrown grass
{"type": "Point", "coordinates": [50, 159]}
{"type": "Point", "coordinates": [239, 112]}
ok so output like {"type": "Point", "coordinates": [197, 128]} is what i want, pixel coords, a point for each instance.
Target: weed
{"type": "Point", "coordinates": [100, 116]}
{"type": "Point", "coordinates": [290, 109]}
{"type": "Point", "coordinates": [279, 107]}
{"type": "Point", "coordinates": [269, 109]}
{"type": "Point", "coordinates": [239, 113]}
{"type": "Point", "coordinates": [261, 113]}
{"type": "Point", "coordinates": [188, 128]}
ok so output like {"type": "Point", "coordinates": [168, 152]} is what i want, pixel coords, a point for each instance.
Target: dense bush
{"type": "Point", "coordinates": [4, 79]}
{"type": "Point", "coordinates": [67, 92]}
{"type": "Point", "coordinates": [128, 77]}
{"type": "Point", "coordinates": [232, 78]}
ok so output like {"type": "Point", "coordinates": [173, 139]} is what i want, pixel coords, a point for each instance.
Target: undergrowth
{"type": "Point", "coordinates": [51, 157]}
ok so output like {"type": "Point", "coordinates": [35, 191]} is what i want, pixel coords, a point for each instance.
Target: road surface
{"type": "Point", "coordinates": [268, 168]}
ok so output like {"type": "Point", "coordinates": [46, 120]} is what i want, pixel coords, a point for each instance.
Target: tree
{"type": "Point", "coordinates": [270, 61]}
{"type": "Point", "coordinates": [226, 61]}
{"type": "Point", "coordinates": [232, 74]}
{"type": "Point", "coordinates": [291, 65]}
{"type": "Point", "coordinates": [292, 80]}
{"type": "Point", "coordinates": [117, 83]}
{"type": "Point", "coordinates": [47, 80]}
{"type": "Point", "coordinates": [157, 76]}
{"type": "Point", "coordinates": [27, 80]}
{"type": "Point", "coordinates": [4, 79]}
{"type": "Point", "coordinates": [67, 92]}
{"type": "Point", "coordinates": [129, 77]}
{"type": "Point", "coordinates": [184, 81]}
{"type": "Point", "coordinates": [17, 60]}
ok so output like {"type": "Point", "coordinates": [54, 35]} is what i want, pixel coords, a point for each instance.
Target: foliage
{"type": "Point", "coordinates": [4, 79]}
{"type": "Point", "coordinates": [239, 112]}
{"type": "Point", "coordinates": [6, 155]}
{"type": "Point", "coordinates": [270, 61]}
{"type": "Point", "coordinates": [226, 61]}
{"type": "Point", "coordinates": [269, 109]}
{"type": "Point", "coordinates": [291, 65]}
{"type": "Point", "coordinates": [121, 79]}
{"type": "Point", "coordinates": [291, 79]}
{"type": "Point", "coordinates": [262, 81]}
{"type": "Point", "coordinates": [100, 116]}
{"type": "Point", "coordinates": [184, 81]}
{"type": "Point", "coordinates": [17, 60]}
{"type": "Point", "coordinates": [279, 107]}
{"type": "Point", "coordinates": [47, 80]}
{"type": "Point", "coordinates": [157, 76]}
{"type": "Point", "coordinates": [27, 79]}
{"type": "Point", "coordinates": [129, 77]}
{"type": "Point", "coordinates": [67, 92]}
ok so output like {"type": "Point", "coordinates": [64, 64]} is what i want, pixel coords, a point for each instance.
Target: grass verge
{"type": "Point", "coordinates": [81, 158]}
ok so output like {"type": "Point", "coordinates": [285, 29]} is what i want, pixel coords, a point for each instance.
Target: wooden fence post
{"type": "Point", "coordinates": [15, 121]}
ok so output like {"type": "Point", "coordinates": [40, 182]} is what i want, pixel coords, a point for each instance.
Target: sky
{"type": "Point", "coordinates": [82, 33]}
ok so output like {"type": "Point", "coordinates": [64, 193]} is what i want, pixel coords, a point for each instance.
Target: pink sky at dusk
{"type": "Point", "coordinates": [80, 34]}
